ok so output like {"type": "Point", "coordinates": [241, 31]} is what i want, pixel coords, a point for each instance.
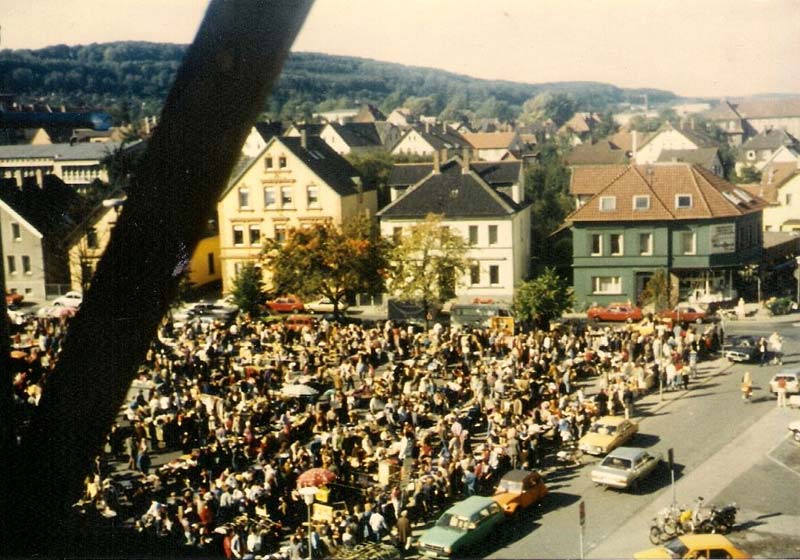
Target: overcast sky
{"type": "Point", "coordinates": [692, 47]}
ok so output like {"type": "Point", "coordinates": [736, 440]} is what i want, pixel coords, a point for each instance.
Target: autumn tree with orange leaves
{"type": "Point", "coordinates": [325, 260]}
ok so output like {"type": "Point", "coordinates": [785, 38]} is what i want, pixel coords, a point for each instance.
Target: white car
{"type": "Point", "coordinates": [792, 378]}
{"type": "Point", "coordinates": [70, 299]}
{"type": "Point", "coordinates": [324, 305]}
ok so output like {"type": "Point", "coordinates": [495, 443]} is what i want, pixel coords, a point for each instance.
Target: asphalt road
{"type": "Point", "coordinates": [725, 450]}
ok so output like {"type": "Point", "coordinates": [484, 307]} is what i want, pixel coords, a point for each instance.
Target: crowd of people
{"type": "Point", "coordinates": [408, 420]}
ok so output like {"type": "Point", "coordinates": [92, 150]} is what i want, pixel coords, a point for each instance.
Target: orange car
{"type": "Point", "coordinates": [13, 298]}
{"type": "Point", "coordinates": [615, 312]}
{"type": "Point", "coordinates": [519, 489]}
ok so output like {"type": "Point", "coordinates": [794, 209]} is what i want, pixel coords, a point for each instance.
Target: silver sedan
{"type": "Point", "coordinates": [624, 467]}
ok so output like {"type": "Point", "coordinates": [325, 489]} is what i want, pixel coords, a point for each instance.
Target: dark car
{"type": "Point", "coordinates": [214, 311]}
{"type": "Point", "coordinates": [741, 348]}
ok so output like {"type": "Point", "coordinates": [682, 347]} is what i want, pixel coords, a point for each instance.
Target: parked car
{"type": "Point", "coordinates": [625, 467]}
{"type": "Point", "coordinates": [461, 528]}
{"type": "Point", "coordinates": [519, 489]}
{"type": "Point", "coordinates": [607, 433]}
{"type": "Point", "coordinates": [794, 427]}
{"type": "Point", "coordinates": [286, 304]}
{"type": "Point", "coordinates": [213, 310]}
{"type": "Point", "coordinates": [686, 313]}
{"type": "Point", "coordinates": [324, 305]}
{"type": "Point", "coordinates": [711, 545]}
{"type": "Point", "coordinates": [615, 312]}
{"type": "Point", "coordinates": [741, 348]}
{"type": "Point", "coordinates": [13, 299]}
{"type": "Point", "coordinates": [70, 299]}
{"type": "Point", "coordinates": [792, 378]}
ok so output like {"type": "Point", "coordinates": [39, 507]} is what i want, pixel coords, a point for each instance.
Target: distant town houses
{"type": "Point", "coordinates": [743, 120]}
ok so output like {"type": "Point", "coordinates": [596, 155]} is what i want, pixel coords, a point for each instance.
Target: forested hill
{"type": "Point", "coordinates": [123, 76]}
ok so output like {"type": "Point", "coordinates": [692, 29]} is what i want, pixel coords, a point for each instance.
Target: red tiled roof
{"type": "Point", "coordinates": [663, 183]}
{"type": "Point", "coordinates": [590, 179]}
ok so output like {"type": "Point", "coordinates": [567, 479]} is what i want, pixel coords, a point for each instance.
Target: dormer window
{"type": "Point", "coordinates": [641, 202]}
{"type": "Point", "coordinates": [608, 203]}
{"type": "Point", "coordinates": [683, 201]}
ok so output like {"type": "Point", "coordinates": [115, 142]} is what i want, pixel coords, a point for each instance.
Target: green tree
{"type": "Point", "coordinates": [547, 105]}
{"type": "Point", "coordinates": [656, 292]}
{"type": "Point", "coordinates": [748, 174]}
{"type": "Point", "coordinates": [425, 263]}
{"type": "Point", "coordinates": [374, 167]}
{"type": "Point", "coordinates": [543, 299]}
{"type": "Point", "coordinates": [606, 127]}
{"type": "Point", "coordinates": [328, 261]}
{"type": "Point", "coordinates": [248, 289]}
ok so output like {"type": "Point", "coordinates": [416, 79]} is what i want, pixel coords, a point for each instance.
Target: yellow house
{"type": "Point", "coordinates": [294, 181]}
{"type": "Point", "coordinates": [780, 186]}
{"type": "Point", "coordinates": [87, 243]}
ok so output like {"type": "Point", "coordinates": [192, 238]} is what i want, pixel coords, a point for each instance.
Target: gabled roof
{"type": "Point", "coordinates": [723, 111]}
{"type": "Point", "coordinates": [369, 113]}
{"type": "Point", "coordinates": [62, 152]}
{"type": "Point", "coordinates": [712, 196]}
{"type": "Point", "coordinates": [268, 129]}
{"type": "Point", "coordinates": [497, 173]}
{"type": "Point", "coordinates": [590, 179]}
{"type": "Point", "coordinates": [489, 140]}
{"type": "Point", "coordinates": [623, 139]}
{"type": "Point", "coordinates": [580, 123]}
{"type": "Point", "coordinates": [358, 135]}
{"type": "Point", "coordinates": [320, 158]}
{"type": "Point", "coordinates": [769, 108]}
{"type": "Point", "coordinates": [438, 138]}
{"type": "Point", "coordinates": [775, 174]}
{"type": "Point", "coordinates": [770, 140]}
{"type": "Point", "coordinates": [602, 152]}
{"type": "Point", "coordinates": [53, 209]}
{"type": "Point", "coordinates": [706, 157]}
{"type": "Point", "coordinates": [696, 137]}
{"type": "Point", "coordinates": [454, 194]}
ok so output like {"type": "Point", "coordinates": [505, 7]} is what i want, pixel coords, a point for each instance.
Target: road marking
{"type": "Point", "coordinates": [778, 461]}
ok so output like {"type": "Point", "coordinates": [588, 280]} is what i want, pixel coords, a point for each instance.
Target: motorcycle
{"type": "Point", "coordinates": [671, 522]}
{"type": "Point", "coordinates": [719, 520]}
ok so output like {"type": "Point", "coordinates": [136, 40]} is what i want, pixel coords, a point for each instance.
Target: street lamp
{"type": "Point", "coordinates": [308, 493]}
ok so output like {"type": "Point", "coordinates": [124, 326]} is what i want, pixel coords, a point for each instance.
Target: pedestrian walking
{"type": "Point", "coordinates": [403, 531]}
{"type": "Point", "coordinates": [747, 386]}
{"type": "Point", "coordinates": [781, 392]}
{"type": "Point", "coordinates": [762, 350]}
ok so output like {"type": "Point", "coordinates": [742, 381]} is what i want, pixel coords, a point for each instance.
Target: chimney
{"type": "Point", "coordinates": [304, 138]}
{"type": "Point", "coordinates": [436, 162]}
{"type": "Point", "coordinates": [634, 143]}
{"type": "Point", "coordinates": [691, 123]}
{"type": "Point", "coordinates": [444, 127]}
{"type": "Point", "coordinates": [465, 160]}
{"type": "Point", "coordinates": [427, 127]}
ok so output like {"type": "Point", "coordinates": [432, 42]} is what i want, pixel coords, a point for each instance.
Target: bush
{"type": "Point", "coordinates": [779, 306]}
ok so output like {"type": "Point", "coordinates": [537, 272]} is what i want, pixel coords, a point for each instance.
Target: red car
{"type": "Point", "coordinates": [13, 298]}
{"type": "Point", "coordinates": [685, 314]}
{"type": "Point", "coordinates": [286, 304]}
{"type": "Point", "coordinates": [615, 312]}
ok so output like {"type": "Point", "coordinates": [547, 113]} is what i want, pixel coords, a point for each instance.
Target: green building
{"type": "Point", "coordinates": [681, 218]}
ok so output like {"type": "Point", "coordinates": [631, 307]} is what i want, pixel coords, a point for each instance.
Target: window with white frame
{"type": "Point", "coordinates": [492, 235]}
{"type": "Point", "coordinates": [473, 235]}
{"type": "Point", "coordinates": [688, 243]}
{"type": "Point", "coordinates": [645, 243]}
{"type": "Point", "coordinates": [16, 232]}
{"type": "Point", "coordinates": [683, 201]}
{"type": "Point", "coordinates": [494, 274]}
{"type": "Point", "coordinates": [244, 198]}
{"type": "Point", "coordinates": [596, 244]}
{"type": "Point", "coordinates": [238, 235]}
{"type": "Point", "coordinates": [280, 234]}
{"type": "Point", "coordinates": [268, 162]}
{"type": "Point", "coordinates": [282, 162]}
{"type": "Point", "coordinates": [269, 197]}
{"type": "Point", "coordinates": [616, 244]}
{"type": "Point", "coordinates": [606, 284]}
{"type": "Point", "coordinates": [11, 264]}
{"type": "Point", "coordinates": [287, 197]}
{"type": "Point", "coordinates": [474, 274]}
{"type": "Point", "coordinates": [608, 203]}
{"type": "Point", "coordinates": [255, 234]}
{"type": "Point", "coordinates": [26, 264]}
{"type": "Point", "coordinates": [312, 196]}
{"type": "Point", "coordinates": [641, 202]}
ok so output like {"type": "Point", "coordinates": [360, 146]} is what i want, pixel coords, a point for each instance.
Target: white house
{"type": "Point", "coordinates": [494, 146]}
{"type": "Point", "coordinates": [670, 138]}
{"type": "Point", "coordinates": [430, 139]}
{"type": "Point", "coordinates": [496, 225]}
